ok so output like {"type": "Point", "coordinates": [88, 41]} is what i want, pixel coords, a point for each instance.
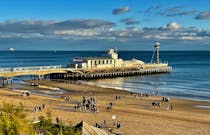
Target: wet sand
{"type": "Point", "coordinates": [135, 119]}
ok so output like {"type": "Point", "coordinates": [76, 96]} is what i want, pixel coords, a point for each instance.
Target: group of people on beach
{"type": "Point", "coordinates": [139, 95]}
{"type": "Point", "coordinates": [67, 99]}
{"type": "Point", "coordinates": [104, 125]}
{"type": "Point", "coordinates": [154, 103]}
{"type": "Point", "coordinates": [164, 99]}
{"type": "Point", "coordinates": [117, 97]}
{"type": "Point", "coordinates": [87, 104]}
{"type": "Point", "coordinates": [39, 108]}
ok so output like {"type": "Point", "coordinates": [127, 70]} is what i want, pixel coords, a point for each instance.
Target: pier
{"type": "Point", "coordinates": [109, 66]}
{"type": "Point", "coordinates": [59, 72]}
{"type": "Point", "coordinates": [109, 73]}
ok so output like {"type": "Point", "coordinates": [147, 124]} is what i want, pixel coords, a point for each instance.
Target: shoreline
{"type": "Point", "coordinates": [126, 91]}
{"type": "Point", "coordinates": [115, 91]}
{"type": "Point", "coordinates": [171, 96]}
{"type": "Point", "coordinates": [130, 111]}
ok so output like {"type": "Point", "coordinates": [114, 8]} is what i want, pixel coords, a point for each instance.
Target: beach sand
{"type": "Point", "coordinates": [135, 118]}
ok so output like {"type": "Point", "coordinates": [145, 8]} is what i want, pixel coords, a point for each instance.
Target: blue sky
{"type": "Point", "coordinates": [99, 25]}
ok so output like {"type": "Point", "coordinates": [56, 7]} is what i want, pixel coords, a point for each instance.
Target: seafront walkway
{"type": "Point", "coordinates": [36, 70]}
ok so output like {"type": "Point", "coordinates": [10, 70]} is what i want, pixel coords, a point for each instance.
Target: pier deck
{"type": "Point", "coordinates": [111, 73]}
{"type": "Point", "coordinates": [58, 72]}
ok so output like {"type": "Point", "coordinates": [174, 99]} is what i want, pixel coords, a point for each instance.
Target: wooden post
{"type": "Point", "coordinates": [3, 82]}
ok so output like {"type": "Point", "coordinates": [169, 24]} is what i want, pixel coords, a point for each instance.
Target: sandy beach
{"type": "Point", "coordinates": [136, 115]}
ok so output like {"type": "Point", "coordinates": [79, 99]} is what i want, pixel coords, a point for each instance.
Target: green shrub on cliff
{"type": "Point", "coordinates": [47, 127]}
{"type": "Point", "coordinates": [13, 121]}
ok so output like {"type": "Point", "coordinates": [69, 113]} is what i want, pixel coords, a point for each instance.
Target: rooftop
{"type": "Point", "coordinates": [97, 58]}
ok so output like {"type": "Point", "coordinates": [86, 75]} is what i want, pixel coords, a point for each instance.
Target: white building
{"type": "Point", "coordinates": [110, 61]}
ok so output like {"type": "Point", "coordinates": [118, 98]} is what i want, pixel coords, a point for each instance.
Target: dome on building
{"type": "Point", "coordinates": [137, 61]}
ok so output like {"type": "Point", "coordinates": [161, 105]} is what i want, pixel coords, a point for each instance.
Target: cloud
{"type": "Point", "coordinates": [129, 21]}
{"type": "Point", "coordinates": [120, 10]}
{"type": "Point", "coordinates": [204, 15]}
{"type": "Point", "coordinates": [189, 12]}
{"type": "Point", "coordinates": [49, 26]}
{"type": "Point", "coordinates": [176, 11]}
{"type": "Point", "coordinates": [83, 23]}
{"type": "Point", "coordinates": [83, 30]}
{"type": "Point", "coordinates": [170, 11]}
{"type": "Point", "coordinates": [151, 9]}
{"type": "Point", "coordinates": [171, 26]}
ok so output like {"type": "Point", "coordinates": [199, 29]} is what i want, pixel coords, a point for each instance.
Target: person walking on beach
{"type": "Point", "coordinates": [168, 107]}
{"type": "Point", "coordinates": [118, 124]}
{"type": "Point", "coordinates": [104, 123]}
{"type": "Point", "coordinates": [57, 120]}
{"type": "Point", "coordinates": [43, 106]}
{"type": "Point", "coordinates": [171, 107]}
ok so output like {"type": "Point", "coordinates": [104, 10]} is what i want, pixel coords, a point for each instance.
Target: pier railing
{"type": "Point", "coordinates": [29, 69]}
{"type": "Point", "coordinates": [38, 71]}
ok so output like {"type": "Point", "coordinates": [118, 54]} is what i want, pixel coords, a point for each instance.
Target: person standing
{"type": "Point", "coordinates": [171, 107]}
{"type": "Point", "coordinates": [118, 124]}
{"type": "Point", "coordinates": [57, 120]}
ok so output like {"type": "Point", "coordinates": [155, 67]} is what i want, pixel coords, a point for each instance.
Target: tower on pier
{"type": "Point", "coordinates": [157, 47]}
{"type": "Point", "coordinates": [156, 52]}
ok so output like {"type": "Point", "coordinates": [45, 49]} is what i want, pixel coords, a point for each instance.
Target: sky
{"type": "Point", "coordinates": [103, 24]}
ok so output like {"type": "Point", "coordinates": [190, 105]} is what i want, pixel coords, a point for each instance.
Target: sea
{"type": "Point", "coordinates": [190, 78]}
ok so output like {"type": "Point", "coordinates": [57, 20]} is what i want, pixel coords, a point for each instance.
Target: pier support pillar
{"type": "Point", "coordinates": [11, 80]}
{"type": "Point", "coordinates": [40, 77]}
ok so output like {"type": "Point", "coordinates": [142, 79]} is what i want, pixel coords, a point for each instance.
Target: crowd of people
{"type": "Point", "coordinates": [87, 104]}
{"type": "Point", "coordinates": [90, 104]}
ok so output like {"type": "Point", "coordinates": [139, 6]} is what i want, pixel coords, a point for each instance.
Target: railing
{"type": "Point", "coordinates": [28, 69]}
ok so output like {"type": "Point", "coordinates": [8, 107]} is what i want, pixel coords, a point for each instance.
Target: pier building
{"type": "Point", "coordinates": [109, 61]}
